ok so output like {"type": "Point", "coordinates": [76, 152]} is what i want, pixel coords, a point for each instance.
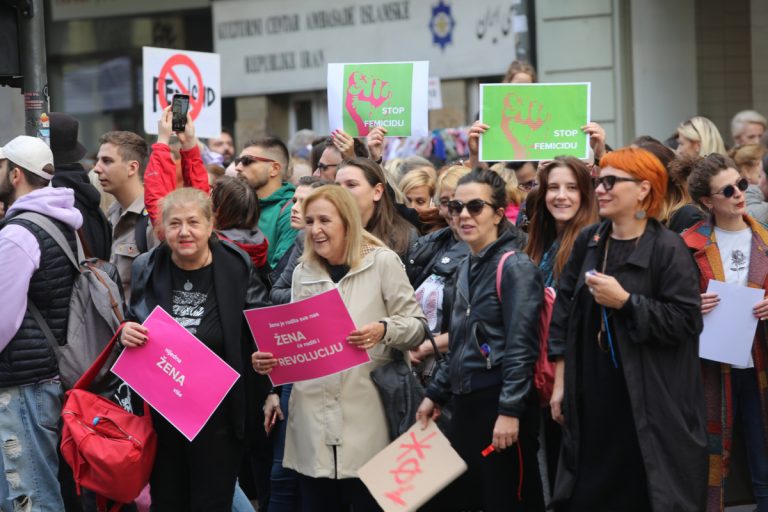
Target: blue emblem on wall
{"type": "Point", "coordinates": [441, 24]}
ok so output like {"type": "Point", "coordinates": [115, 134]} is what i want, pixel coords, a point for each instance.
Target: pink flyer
{"type": "Point", "coordinates": [308, 338]}
{"type": "Point", "coordinates": [176, 374]}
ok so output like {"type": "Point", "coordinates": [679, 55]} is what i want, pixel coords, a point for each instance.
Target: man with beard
{"type": "Point", "coordinates": [67, 153]}
{"type": "Point", "coordinates": [262, 163]}
{"type": "Point", "coordinates": [33, 270]}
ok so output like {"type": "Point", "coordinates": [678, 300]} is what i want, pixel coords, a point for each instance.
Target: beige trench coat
{"type": "Point", "coordinates": [343, 412]}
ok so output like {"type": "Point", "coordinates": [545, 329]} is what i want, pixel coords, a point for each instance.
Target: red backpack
{"type": "Point", "coordinates": [544, 371]}
{"type": "Point", "coordinates": [111, 451]}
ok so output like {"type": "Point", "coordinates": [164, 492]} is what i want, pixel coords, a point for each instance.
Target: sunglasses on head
{"type": "Point", "coordinates": [474, 207]}
{"type": "Point", "coordinates": [247, 160]}
{"type": "Point", "coordinates": [728, 190]}
{"type": "Point", "coordinates": [608, 182]}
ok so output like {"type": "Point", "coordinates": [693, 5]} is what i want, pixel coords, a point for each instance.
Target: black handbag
{"type": "Point", "coordinates": [400, 391]}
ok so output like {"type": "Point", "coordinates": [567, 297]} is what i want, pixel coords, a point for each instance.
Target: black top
{"type": "Point", "coordinates": [611, 471]}
{"type": "Point", "coordinates": [193, 305]}
{"type": "Point", "coordinates": [337, 272]}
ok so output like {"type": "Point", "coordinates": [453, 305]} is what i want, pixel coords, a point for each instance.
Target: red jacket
{"type": "Point", "coordinates": [160, 176]}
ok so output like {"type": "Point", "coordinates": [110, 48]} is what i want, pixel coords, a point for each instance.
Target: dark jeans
{"type": "Point", "coordinates": [283, 494]}
{"type": "Point", "coordinates": [748, 409]}
{"type": "Point", "coordinates": [195, 476]}
{"type": "Point", "coordinates": [331, 495]}
{"type": "Point", "coordinates": [492, 483]}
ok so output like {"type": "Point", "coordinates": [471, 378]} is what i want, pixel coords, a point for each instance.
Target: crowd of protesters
{"type": "Point", "coordinates": [628, 241]}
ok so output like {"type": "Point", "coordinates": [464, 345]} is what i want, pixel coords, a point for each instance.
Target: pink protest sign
{"type": "Point", "coordinates": [307, 337]}
{"type": "Point", "coordinates": [176, 374]}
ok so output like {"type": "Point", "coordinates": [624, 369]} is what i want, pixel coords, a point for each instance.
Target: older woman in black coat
{"type": "Point", "coordinates": [626, 321]}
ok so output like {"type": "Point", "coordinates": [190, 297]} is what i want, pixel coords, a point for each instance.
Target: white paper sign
{"type": "Point", "coordinates": [168, 72]}
{"type": "Point", "coordinates": [435, 95]}
{"type": "Point", "coordinates": [415, 467]}
{"type": "Point", "coordinates": [729, 329]}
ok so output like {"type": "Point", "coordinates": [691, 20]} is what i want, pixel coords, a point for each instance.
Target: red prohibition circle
{"type": "Point", "coordinates": [167, 69]}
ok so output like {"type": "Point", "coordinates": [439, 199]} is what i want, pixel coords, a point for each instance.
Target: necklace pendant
{"type": "Point", "coordinates": [188, 286]}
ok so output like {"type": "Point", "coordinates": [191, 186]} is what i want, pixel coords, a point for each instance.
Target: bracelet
{"type": "Point", "coordinates": [384, 323]}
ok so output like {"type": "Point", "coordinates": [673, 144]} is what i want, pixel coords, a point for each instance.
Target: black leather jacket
{"type": "Point", "coordinates": [437, 253]}
{"type": "Point", "coordinates": [508, 327]}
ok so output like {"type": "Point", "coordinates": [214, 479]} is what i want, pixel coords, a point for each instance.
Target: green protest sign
{"type": "Point", "coordinates": [534, 121]}
{"type": "Point", "coordinates": [364, 96]}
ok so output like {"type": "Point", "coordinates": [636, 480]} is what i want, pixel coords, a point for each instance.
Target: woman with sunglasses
{"type": "Point", "coordinates": [493, 346]}
{"type": "Point", "coordinates": [730, 246]}
{"type": "Point", "coordinates": [626, 323]}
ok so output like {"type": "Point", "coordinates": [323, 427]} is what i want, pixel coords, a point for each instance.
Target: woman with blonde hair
{"type": "Point", "coordinates": [749, 161]}
{"type": "Point", "coordinates": [337, 423]}
{"type": "Point", "coordinates": [418, 186]}
{"type": "Point", "coordinates": [515, 196]}
{"type": "Point", "coordinates": [698, 136]}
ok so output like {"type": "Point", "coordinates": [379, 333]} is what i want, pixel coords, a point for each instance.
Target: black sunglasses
{"type": "Point", "coordinates": [608, 182]}
{"type": "Point", "coordinates": [728, 190]}
{"type": "Point", "coordinates": [247, 160]}
{"type": "Point", "coordinates": [474, 207]}
{"type": "Point", "coordinates": [324, 167]}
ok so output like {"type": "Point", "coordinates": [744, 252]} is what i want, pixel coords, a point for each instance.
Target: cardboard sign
{"type": "Point", "coordinates": [176, 374]}
{"type": "Point", "coordinates": [389, 94]}
{"type": "Point", "coordinates": [534, 121]}
{"type": "Point", "coordinates": [411, 470]}
{"type": "Point", "coordinates": [308, 337]}
{"type": "Point", "coordinates": [168, 72]}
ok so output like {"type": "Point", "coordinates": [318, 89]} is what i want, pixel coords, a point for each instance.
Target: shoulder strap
{"type": "Point", "coordinates": [43, 324]}
{"type": "Point", "coordinates": [49, 227]}
{"type": "Point", "coordinates": [499, 271]}
{"type": "Point", "coordinates": [140, 232]}
{"type": "Point", "coordinates": [431, 337]}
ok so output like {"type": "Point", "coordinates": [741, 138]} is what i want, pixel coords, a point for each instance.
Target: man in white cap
{"type": "Point", "coordinates": [33, 268]}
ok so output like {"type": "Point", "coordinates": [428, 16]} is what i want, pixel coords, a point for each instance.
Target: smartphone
{"type": "Point", "coordinates": [179, 109]}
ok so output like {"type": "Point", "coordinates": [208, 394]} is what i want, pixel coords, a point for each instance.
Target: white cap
{"type": "Point", "coordinates": [30, 153]}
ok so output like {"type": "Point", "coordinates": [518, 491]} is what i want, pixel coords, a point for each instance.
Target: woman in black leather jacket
{"type": "Point", "coordinates": [492, 351]}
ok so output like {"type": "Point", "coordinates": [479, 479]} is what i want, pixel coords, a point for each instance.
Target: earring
{"type": "Point", "coordinates": [640, 214]}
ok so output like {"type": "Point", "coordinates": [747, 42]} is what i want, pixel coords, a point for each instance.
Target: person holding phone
{"type": "Point", "coordinates": [625, 325]}
{"type": "Point", "coordinates": [731, 246]}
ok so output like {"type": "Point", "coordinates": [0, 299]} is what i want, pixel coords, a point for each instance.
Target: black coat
{"type": "Point", "coordinates": [657, 331]}
{"type": "Point", "coordinates": [237, 287]}
{"type": "Point", "coordinates": [96, 227]}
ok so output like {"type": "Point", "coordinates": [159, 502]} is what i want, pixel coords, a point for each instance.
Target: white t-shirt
{"type": "Point", "coordinates": [735, 247]}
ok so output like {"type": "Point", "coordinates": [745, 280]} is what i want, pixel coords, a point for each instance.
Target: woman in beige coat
{"type": "Point", "coordinates": [337, 423]}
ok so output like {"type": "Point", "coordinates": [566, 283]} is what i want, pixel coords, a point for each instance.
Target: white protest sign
{"type": "Point", "coordinates": [435, 94]}
{"type": "Point", "coordinates": [168, 72]}
{"type": "Point", "coordinates": [415, 467]}
{"type": "Point", "coordinates": [729, 329]}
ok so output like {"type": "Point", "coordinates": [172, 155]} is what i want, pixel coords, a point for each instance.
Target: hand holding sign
{"type": "Point", "coordinates": [375, 141]}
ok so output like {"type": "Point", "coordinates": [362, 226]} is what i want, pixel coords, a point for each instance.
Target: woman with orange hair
{"type": "Point", "coordinates": [626, 324]}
